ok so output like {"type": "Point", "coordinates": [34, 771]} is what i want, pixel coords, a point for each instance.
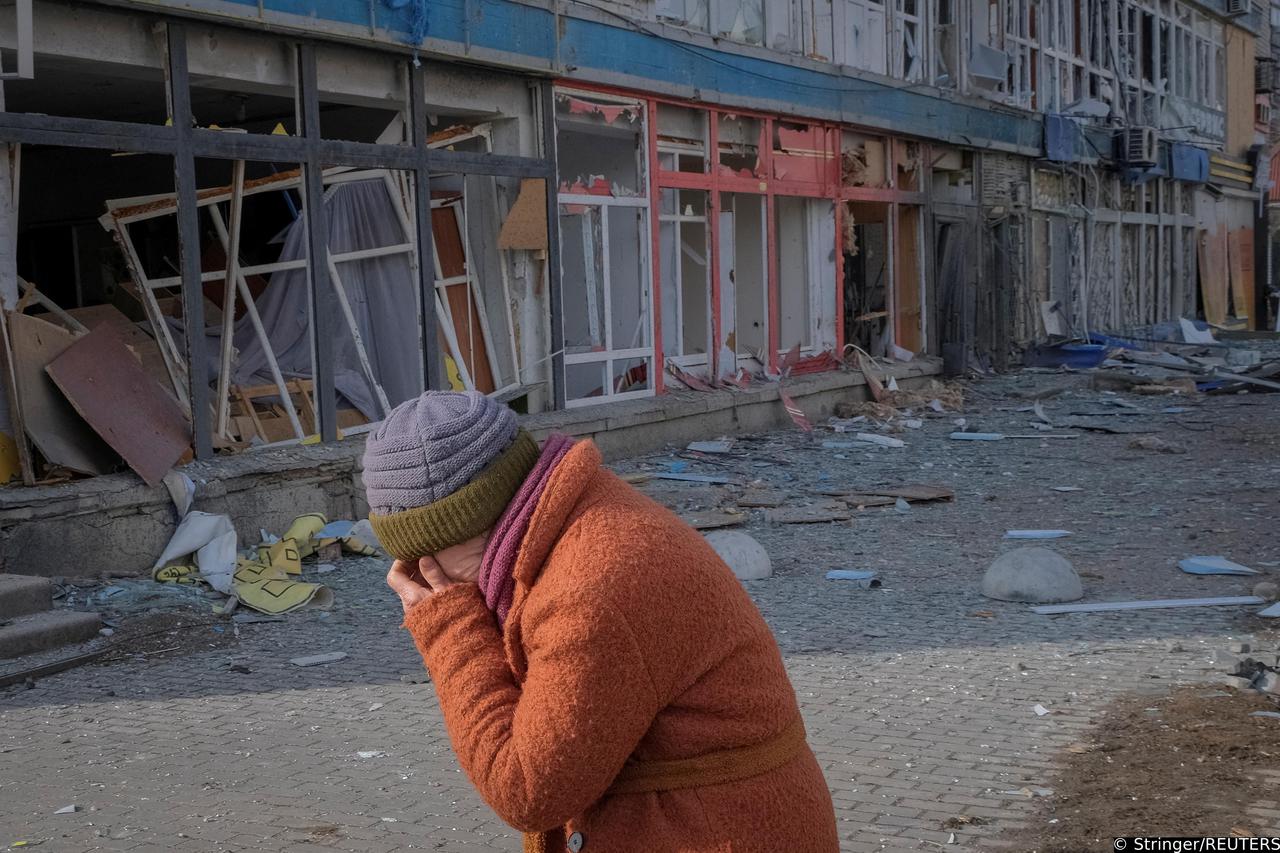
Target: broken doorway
{"type": "Point", "coordinates": [954, 314]}
{"type": "Point", "coordinates": [684, 245]}
{"type": "Point", "coordinates": [866, 276]}
{"type": "Point", "coordinates": [744, 300]}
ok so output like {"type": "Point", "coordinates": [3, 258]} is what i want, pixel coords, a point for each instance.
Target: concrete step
{"type": "Point", "coordinates": [47, 630]}
{"type": "Point", "coordinates": [21, 595]}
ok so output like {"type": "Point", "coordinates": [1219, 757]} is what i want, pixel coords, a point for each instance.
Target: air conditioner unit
{"type": "Point", "coordinates": [1237, 7]}
{"type": "Point", "coordinates": [1264, 76]}
{"type": "Point", "coordinates": [1137, 146]}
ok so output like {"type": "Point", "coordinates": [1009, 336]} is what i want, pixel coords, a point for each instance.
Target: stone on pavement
{"type": "Point", "coordinates": [1034, 575]}
{"type": "Point", "coordinates": [746, 557]}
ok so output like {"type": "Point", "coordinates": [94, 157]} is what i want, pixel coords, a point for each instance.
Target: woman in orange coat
{"type": "Point", "coordinates": [606, 682]}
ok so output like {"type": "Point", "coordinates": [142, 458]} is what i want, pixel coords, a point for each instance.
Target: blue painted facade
{"type": "Point", "coordinates": [601, 47]}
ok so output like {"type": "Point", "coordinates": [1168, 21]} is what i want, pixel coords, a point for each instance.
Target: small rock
{"type": "Point", "coordinates": [72, 809]}
{"type": "Point", "coordinates": [106, 632]}
{"type": "Point", "coordinates": [1019, 667]}
{"type": "Point", "coordinates": [1158, 445]}
{"type": "Point", "coordinates": [1036, 575]}
{"type": "Point", "coordinates": [1236, 681]}
{"type": "Point", "coordinates": [1268, 682]}
{"type": "Point", "coordinates": [1267, 590]}
{"type": "Point", "coordinates": [746, 557]}
{"type": "Point", "coordinates": [1176, 647]}
{"type": "Point", "coordinates": [416, 678]}
{"type": "Point", "coordinates": [240, 668]}
{"type": "Point", "coordinates": [1239, 648]}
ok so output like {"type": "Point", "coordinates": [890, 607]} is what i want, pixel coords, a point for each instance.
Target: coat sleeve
{"type": "Point", "coordinates": [544, 751]}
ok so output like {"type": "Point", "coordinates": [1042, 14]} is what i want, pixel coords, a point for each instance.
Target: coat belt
{"type": "Point", "coordinates": [716, 768]}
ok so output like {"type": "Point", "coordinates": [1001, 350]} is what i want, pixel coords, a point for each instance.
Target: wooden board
{"type": "Point", "coordinates": [1213, 275]}
{"type": "Point", "coordinates": [526, 224]}
{"type": "Point", "coordinates": [51, 422]}
{"type": "Point", "coordinates": [1240, 264]}
{"type": "Point", "coordinates": [451, 254]}
{"type": "Point", "coordinates": [907, 307]}
{"type": "Point", "coordinates": [106, 385]}
{"type": "Point", "coordinates": [144, 347]}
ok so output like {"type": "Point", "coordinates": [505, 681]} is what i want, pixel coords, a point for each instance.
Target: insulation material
{"type": "Point", "coordinates": [1213, 274]}
{"type": "Point", "coordinates": [1240, 264]}
{"type": "Point", "coordinates": [862, 160]}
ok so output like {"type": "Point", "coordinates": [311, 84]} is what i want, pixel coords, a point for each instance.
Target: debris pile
{"type": "Point", "coordinates": [1246, 668]}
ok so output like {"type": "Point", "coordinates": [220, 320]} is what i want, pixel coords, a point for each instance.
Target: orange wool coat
{"type": "Point", "coordinates": [628, 637]}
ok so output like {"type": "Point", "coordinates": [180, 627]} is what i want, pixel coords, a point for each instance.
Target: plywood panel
{"type": "Point", "coordinates": [108, 388]}
{"type": "Point", "coordinates": [526, 224]}
{"type": "Point", "coordinates": [1239, 51]}
{"type": "Point", "coordinates": [1240, 265]}
{"type": "Point", "coordinates": [55, 428]}
{"type": "Point", "coordinates": [907, 301]}
{"type": "Point", "coordinates": [144, 347]}
{"type": "Point", "coordinates": [467, 327]}
{"type": "Point", "coordinates": [1213, 275]}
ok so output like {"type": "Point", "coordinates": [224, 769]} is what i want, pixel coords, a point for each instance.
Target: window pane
{"type": "Point", "coordinates": [582, 278]}
{"type": "Point", "coordinates": [628, 286]}
{"type": "Point", "coordinates": [600, 146]}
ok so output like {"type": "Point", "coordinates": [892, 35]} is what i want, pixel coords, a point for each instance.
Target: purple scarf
{"type": "Point", "coordinates": [497, 569]}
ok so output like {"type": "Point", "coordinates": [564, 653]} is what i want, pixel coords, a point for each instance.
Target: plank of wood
{"type": "Point", "coordinates": [19, 436]}
{"type": "Point", "coordinates": [55, 428]}
{"type": "Point", "coordinates": [108, 387]}
{"type": "Point", "coordinates": [1153, 604]}
{"type": "Point", "coordinates": [144, 347]}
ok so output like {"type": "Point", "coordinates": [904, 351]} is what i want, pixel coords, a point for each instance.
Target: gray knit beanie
{"type": "Point", "coordinates": [441, 469]}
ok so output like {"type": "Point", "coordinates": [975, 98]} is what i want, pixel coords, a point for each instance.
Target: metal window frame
{"type": "Point", "coordinates": [185, 142]}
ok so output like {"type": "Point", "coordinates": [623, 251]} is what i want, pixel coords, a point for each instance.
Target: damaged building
{"type": "Point", "coordinates": [228, 226]}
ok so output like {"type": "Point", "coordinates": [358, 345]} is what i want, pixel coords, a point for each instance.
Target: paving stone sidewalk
{"type": "Point", "coordinates": [918, 697]}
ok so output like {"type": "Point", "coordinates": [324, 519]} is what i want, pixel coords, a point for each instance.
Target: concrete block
{"type": "Point", "coordinates": [1237, 682]}
{"type": "Point", "coordinates": [21, 595]}
{"type": "Point", "coordinates": [1035, 575]}
{"type": "Point", "coordinates": [1268, 682]}
{"type": "Point", "coordinates": [47, 630]}
{"type": "Point", "coordinates": [744, 555]}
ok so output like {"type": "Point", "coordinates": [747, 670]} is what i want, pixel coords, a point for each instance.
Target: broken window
{"type": "Point", "coordinates": [862, 160]}
{"type": "Point", "coordinates": [684, 245]}
{"type": "Point", "coordinates": [682, 139]}
{"type": "Point", "coordinates": [605, 297]}
{"type": "Point", "coordinates": [739, 143]}
{"type": "Point", "coordinates": [744, 301]}
{"type": "Point", "coordinates": [783, 28]}
{"type": "Point", "coordinates": [685, 13]}
{"type": "Point", "coordinates": [946, 44]}
{"type": "Point", "coordinates": [865, 36]}
{"type": "Point", "coordinates": [801, 153]}
{"type": "Point", "coordinates": [907, 163]}
{"type": "Point", "coordinates": [600, 145]}
{"type": "Point", "coordinates": [604, 240]}
{"type": "Point", "coordinates": [739, 20]}
{"type": "Point", "coordinates": [908, 43]}
{"type": "Point", "coordinates": [952, 175]}
{"type": "Point", "coordinates": [819, 28]}
{"type": "Point", "coordinates": [804, 235]}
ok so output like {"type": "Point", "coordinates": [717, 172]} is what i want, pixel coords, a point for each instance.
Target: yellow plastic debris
{"type": "Point", "coordinates": [282, 555]}
{"type": "Point", "coordinates": [303, 532]}
{"type": "Point", "coordinates": [177, 574]}
{"type": "Point", "coordinates": [352, 545]}
{"type": "Point", "coordinates": [269, 590]}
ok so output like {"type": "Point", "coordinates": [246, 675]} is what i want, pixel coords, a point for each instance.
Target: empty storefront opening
{"type": "Point", "coordinates": [605, 246]}
{"type": "Point", "coordinates": [684, 244]}
{"type": "Point", "coordinates": [805, 240]}
{"type": "Point", "coordinates": [743, 280]}
{"type": "Point", "coordinates": [866, 276]}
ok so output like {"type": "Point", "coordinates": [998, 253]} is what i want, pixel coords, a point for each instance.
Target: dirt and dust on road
{"type": "Point", "coordinates": [1191, 763]}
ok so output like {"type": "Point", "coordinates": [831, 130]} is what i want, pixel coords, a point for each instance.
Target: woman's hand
{"type": "Point", "coordinates": [416, 583]}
